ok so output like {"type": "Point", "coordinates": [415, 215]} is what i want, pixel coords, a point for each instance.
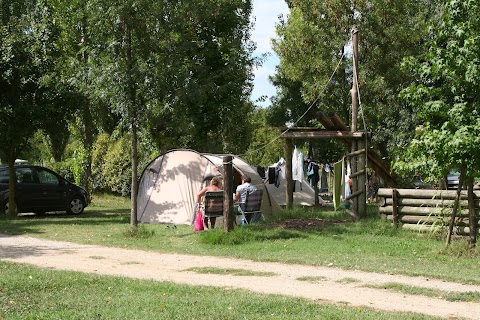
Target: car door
{"type": "Point", "coordinates": [53, 190]}
{"type": "Point", "coordinates": [27, 192]}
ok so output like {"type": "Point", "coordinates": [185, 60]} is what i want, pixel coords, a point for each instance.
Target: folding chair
{"type": "Point", "coordinates": [213, 204]}
{"type": "Point", "coordinates": [250, 209]}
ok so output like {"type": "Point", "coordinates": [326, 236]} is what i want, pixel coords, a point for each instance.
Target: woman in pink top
{"type": "Point", "coordinates": [215, 185]}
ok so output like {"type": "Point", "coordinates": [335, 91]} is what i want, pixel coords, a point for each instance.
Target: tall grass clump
{"type": "Point", "coordinates": [139, 232]}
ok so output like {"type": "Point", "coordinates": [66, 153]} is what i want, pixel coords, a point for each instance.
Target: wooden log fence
{"type": "Point", "coordinates": [426, 210]}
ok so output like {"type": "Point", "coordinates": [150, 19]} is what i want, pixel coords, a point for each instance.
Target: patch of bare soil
{"type": "Point", "coordinates": [304, 224]}
{"type": "Point", "coordinates": [325, 284]}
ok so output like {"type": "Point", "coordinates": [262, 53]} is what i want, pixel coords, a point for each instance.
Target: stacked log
{"type": "Point", "coordinates": [426, 210]}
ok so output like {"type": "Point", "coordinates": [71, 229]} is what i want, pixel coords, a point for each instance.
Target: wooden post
{"type": "Point", "coordinates": [455, 206]}
{"type": "Point", "coordinates": [395, 207]}
{"type": "Point", "coordinates": [354, 92]}
{"type": "Point", "coordinates": [288, 173]}
{"type": "Point", "coordinates": [353, 128]}
{"type": "Point", "coordinates": [362, 180]}
{"type": "Point", "coordinates": [227, 194]}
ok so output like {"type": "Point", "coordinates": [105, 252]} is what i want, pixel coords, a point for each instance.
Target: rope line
{"type": "Point", "coordinates": [303, 115]}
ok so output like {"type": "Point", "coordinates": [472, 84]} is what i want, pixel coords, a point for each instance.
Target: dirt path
{"type": "Point", "coordinates": [332, 285]}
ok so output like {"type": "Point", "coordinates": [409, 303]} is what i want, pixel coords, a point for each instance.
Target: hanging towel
{"type": "Point", "coordinates": [278, 177]}
{"type": "Point", "coordinates": [337, 183]}
{"type": "Point", "coordinates": [271, 175]}
{"type": "Point", "coordinates": [297, 165]}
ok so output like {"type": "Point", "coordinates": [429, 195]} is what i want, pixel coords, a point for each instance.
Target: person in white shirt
{"type": "Point", "coordinates": [241, 193]}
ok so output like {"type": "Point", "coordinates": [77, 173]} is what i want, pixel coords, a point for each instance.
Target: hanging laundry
{"type": "Point", "coordinates": [337, 184]}
{"type": "Point", "coordinates": [278, 178]}
{"type": "Point", "coordinates": [312, 173]}
{"type": "Point", "coordinates": [271, 175]}
{"type": "Point", "coordinates": [275, 173]}
{"type": "Point", "coordinates": [297, 165]}
{"type": "Point", "coordinates": [297, 168]}
{"type": "Point", "coordinates": [324, 178]}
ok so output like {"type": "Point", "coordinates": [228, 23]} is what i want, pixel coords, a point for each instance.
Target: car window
{"type": "Point", "coordinates": [24, 175]}
{"type": "Point", "coordinates": [46, 177]}
{"type": "Point", "coordinates": [4, 177]}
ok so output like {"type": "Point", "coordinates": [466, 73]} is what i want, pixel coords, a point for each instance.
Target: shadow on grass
{"type": "Point", "coordinates": [20, 250]}
{"type": "Point", "coordinates": [32, 223]}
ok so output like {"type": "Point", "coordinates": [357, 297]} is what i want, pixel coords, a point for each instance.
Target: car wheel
{"type": "Point", "coordinates": [76, 206]}
{"type": "Point", "coordinates": [5, 207]}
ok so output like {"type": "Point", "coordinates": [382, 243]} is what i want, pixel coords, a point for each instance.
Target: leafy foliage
{"type": "Point", "coordinates": [19, 69]}
{"type": "Point", "coordinates": [265, 147]}
{"type": "Point", "coordinates": [316, 38]}
{"type": "Point", "coordinates": [445, 95]}
{"type": "Point", "coordinates": [111, 163]}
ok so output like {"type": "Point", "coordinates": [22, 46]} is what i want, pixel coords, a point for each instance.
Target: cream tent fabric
{"type": "Point", "coordinates": [169, 185]}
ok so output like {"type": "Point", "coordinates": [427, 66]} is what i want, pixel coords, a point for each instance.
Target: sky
{"type": "Point", "coordinates": [265, 13]}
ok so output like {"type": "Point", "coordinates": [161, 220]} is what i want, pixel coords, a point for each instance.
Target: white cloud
{"type": "Point", "coordinates": [266, 13]}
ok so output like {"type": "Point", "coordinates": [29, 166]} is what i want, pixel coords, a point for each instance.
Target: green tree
{"type": "Point", "coordinates": [58, 99]}
{"type": "Point", "coordinates": [26, 37]}
{"type": "Point", "coordinates": [210, 66]}
{"type": "Point", "coordinates": [316, 39]}
{"type": "Point", "coordinates": [127, 34]}
{"type": "Point", "coordinates": [266, 147]}
{"type": "Point", "coordinates": [184, 65]}
{"type": "Point", "coordinates": [18, 82]}
{"type": "Point", "coordinates": [446, 96]}
{"type": "Point", "coordinates": [76, 69]}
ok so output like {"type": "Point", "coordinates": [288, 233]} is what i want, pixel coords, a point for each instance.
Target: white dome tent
{"type": "Point", "coordinates": [169, 185]}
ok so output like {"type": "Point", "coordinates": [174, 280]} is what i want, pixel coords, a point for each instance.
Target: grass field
{"type": "Point", "coordinates": [33, 293]}
{"type": "Point", "coordinates": [370, 245]}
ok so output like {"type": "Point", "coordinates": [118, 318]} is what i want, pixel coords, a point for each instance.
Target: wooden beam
{"type": "Point", "coordinates": [339, 124]}
{"type": "Point", "coordinates": [355, 194]}
{"type": "Point", "coordinates": [356, 174]}
{"type": "Point", "coordinates": [421, 211]}
{"type": "Point", "coordinates": [425, 193]}
{"type": "Point", "coordinates": [292, 134]}
{"type": "Point", "coordinates": [428, 202]}
{"type": "Point", "coordinates": [327, 123]}
{"type": "Point", "coordinates": [356, 153]}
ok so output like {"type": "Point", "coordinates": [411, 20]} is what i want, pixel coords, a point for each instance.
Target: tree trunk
{"type": "Point", "coordinates": [228, 215]}
{"type": "Point", "coordinates": [472, 215]}
{"type": "Point", "coordinates": [133, 113]}
{"type": "Point", "coordinates": [88, 126]}
{"type": "Point", "coordinates": [11, 182]}
{"type": "Point", "coordinates": [133, 196]}
{"type": "Point", "coordinates": [455, 206]}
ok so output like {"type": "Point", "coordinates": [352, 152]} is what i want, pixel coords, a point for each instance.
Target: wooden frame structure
{"type": "Point", "coordinates": [355, 141]}
{"type": "Point", "coordinates": [356, 138]}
